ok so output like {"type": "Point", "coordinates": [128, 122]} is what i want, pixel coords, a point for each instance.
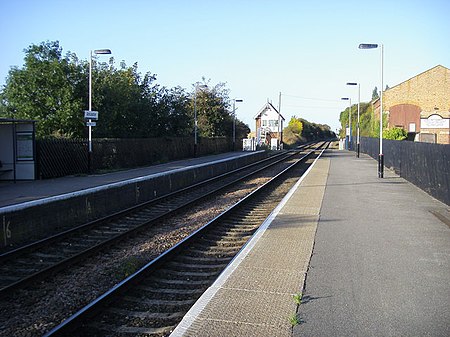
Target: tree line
{"type": "Point", "coordinates": [52, 89]}
{"type": "Point", "coordinates": [299, 130]}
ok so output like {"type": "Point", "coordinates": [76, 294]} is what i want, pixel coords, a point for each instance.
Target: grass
{"type": "Point", "coordinates": [295, 319]}
{"type": "Point", "coordinates": [298, 298]}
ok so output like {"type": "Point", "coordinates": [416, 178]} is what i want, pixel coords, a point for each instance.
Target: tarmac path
{"type": "Point", "coordinates": [381, 259]}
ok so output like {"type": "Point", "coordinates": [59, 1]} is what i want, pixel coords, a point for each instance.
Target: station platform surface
{"type": "Point", "coordinates": [24, 191]}
{"type": "Point", "coordinates": [368, 256]}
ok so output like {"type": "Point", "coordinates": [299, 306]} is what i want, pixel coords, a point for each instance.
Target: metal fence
{"type": "Point", "coordinates": [62, 157]}
{"type": "Point", "coordinates": [426, 165]}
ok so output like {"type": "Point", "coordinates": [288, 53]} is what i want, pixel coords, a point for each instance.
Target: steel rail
{"type": "Point", "coordinates": [45, 272]}
{"type": "Point", "coordinates": [90, 310]}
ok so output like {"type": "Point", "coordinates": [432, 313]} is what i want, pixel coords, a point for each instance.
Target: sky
{"type": "Point", "coordinates": [305, 50]}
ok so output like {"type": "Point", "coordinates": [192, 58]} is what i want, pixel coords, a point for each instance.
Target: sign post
{"type": "Point", "coordinates": [90, 115]}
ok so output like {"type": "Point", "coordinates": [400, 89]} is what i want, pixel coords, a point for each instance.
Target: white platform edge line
{"type": "Point", "coordinates": [207, 296]}
{"type": "Point", "coordinates": [32, 203]}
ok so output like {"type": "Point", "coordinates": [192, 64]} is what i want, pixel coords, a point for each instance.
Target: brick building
{"type": "Point", "coordinates": [269, 127]}
{"type": "Point", "coordinates": [421, 105]}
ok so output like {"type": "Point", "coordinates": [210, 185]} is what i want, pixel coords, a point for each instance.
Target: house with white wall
{"type": "Point", "coordinates": [269, 127]}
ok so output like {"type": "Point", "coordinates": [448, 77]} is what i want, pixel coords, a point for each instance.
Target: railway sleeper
{"type": "Point", "coordinates": [189, 274]}
{"type": "Point", "coordinates": [193, 259]}
{"type": "Point", "coordinates": [182, 266]}
{"type": "Point", "coordinates": [224, 242]}
{"type": "Point", "coordinates": [104, 329]}
{"type": "Point", "coordinates": [206, 250]}
{"type": "Point", "coordinates": [155, 303]}
{"type": "Point", "coordinates": [169, 291]}
{"type": "Point", "coordinates": [176, 283]}
{"type": "Point", "coordinates": [229, 237]}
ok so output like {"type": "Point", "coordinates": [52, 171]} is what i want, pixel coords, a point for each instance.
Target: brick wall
{"type": "Point", "coordinates": [429, 92]}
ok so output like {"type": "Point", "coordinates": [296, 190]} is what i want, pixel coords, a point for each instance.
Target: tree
{"type": "Point", "coordinates": [295, 125]}
{"type": "Point", "coordinates": [53, 90]}
{"type": "Point", "coordinates": [375, 94]}
{"type": "Point", "coordinates": [213, 110]}
{"type": "Point", "coordinates": [45, 89]}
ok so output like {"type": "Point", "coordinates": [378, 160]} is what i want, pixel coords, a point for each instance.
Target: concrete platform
{"type": "Point", "coordinates": [30, 210]}
{"type": "Point", "coordinates": [380, 262]}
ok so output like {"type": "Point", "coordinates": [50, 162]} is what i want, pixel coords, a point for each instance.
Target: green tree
{"type": "Point", "coordinates": [45, 89]}
{"type": "Point", "coordinates": [295, 125]}
{"type": "Point", "coordinates": [213, 110]}
{"type": "Point", "coordinates": [375, 94]}
{"type": "Point", "coordinates": [53, 89]}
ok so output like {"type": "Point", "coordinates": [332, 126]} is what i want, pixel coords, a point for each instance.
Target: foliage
{"type": "Point", "coordinates": [214, 111]}
{"type": "Point", "coordinates": [46, 90]}
{"type": "Point", "coordinates": [395, 134]}
{"type": "Point", "coordinates": [300, 130]}
{"type": "Point", "coordinates": [292, 133]}
{"type": "Point", "coordinates": [295, 125]}
{"type": "Point", "coordinates": [298, 298]}
{"type": "Point", "coordinates": [375, 94]}
{"type": "Point", "coordinates": [369, 124]}
{"type": "Point", "coordinates": [53, 89]}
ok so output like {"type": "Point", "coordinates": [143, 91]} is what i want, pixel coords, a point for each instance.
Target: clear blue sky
{"type": "Point", "coordinates": [307, 50]}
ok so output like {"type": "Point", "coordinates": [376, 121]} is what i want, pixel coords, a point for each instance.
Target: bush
{"type": "Point", "coordinates": [395, 134]}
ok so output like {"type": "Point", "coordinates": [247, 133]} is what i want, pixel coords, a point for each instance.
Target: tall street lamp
{"type": "Point", "coordinates": [357, 125]}
{"type": "Point", "coordinates": [197, 86]}
{"type": "Point", "coordinates": [349, 119]}
{"type": "Point", "coordinates": [97, 52]}
{"type": "Point", "coordinates": [234, 120]}
{"type": "Point", "coordinates": [380, 156]}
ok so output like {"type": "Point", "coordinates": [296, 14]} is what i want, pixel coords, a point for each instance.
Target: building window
{"type": "Point", "coordinates": [412, 127]}
{"type": "Point", "coordinates": [264, 122]}
{"type": "Point", "coordinates": [273, 123]}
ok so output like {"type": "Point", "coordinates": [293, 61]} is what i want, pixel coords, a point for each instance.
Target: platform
{"type": "Point", "coordinates": [32, 210]}
{"type": "Point", "coordinates": [23, 191]}
{"type": "Point", "coordinates": [370, 257]}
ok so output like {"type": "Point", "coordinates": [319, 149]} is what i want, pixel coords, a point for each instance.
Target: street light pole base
{"type": "Point", "coordinates": [357, 150]}
{"type": "Point", "coordinates": [380, 165]}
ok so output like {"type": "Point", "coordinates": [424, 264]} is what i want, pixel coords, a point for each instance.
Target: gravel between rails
{"type": "Point", "coordinates": [36, 310]}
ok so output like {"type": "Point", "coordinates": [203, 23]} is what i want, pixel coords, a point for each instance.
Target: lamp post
{"type": "Point", "coordinates": [349, 119]}
{"type": "Point", "coordinates": [234, 120]}
{"type": "Point", "coordinates": [197, 86]}
{"type": "Point", "coordinates": [103, 52]}
{"type": "Point", "coordinates": [357, 124]}
{"type": "Point", "coordinates": [380, 156]}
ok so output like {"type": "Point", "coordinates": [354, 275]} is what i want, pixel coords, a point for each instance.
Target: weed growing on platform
{"type": "Point", "coordinates": [298, 298]}
{"type": "Point", "coordinates": [294, 319]}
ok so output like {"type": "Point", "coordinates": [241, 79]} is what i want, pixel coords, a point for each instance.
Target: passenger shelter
{"type": "Point", "coordinates": [17, 149]}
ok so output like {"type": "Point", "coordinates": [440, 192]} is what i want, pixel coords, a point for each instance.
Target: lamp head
{"type": "Point", "coordinates": [368, 46]}
{"type": "Point", "coordinates": [102, 51]}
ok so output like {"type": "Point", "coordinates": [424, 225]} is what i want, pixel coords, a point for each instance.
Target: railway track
{"type": "Point", "coordinates": [39, 260]}
{"type": "Point", "coordinates": [152, 301]}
